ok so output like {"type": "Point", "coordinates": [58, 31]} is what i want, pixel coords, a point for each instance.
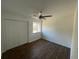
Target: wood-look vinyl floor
{"type": "Point", "coordinates": [40, 49]}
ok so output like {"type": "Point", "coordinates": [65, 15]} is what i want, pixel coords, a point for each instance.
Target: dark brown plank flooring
{"type": "Point", "coordinates": [40, 49]}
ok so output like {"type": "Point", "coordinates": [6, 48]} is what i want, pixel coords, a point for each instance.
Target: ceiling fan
{"type": "Point", "coordinates": [40, 16]}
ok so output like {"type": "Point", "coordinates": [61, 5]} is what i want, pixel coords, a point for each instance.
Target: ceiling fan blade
{"type": "Point", "coordinates": [48, 16]}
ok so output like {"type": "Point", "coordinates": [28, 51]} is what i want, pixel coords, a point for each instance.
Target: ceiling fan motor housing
{"type": "Point", "coordinates": [41, 17]}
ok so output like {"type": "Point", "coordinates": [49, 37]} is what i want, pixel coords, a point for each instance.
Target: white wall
{"type": "Point", "coordinates": [59, 28]}
{"type": "Point", "coordinates": [59, 31]}
{"type": "Point", "coordinates": [17, 31]}
{"type": "Point", "coordinates": [35, 36]}
{"type": "Point", "coordinates": [74, 49]}
{"type": "Point", "coordinates": [14, 33]}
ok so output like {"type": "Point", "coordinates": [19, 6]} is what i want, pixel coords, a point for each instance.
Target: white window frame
{"type": "Point", "coordinates": [37, 24]}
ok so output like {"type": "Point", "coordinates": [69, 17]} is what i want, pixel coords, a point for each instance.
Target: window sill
{"type": "Point", "coordinates": [35, 33]}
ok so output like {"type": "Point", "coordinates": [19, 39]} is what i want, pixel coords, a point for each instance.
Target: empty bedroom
{"type": "Point", "coordinates": [39, 29]}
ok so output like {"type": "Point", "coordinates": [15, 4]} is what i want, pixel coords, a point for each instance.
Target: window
{"type": "Point", "coordinates": [36, 27]}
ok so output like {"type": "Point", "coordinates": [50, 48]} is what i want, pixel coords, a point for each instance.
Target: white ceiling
{"type": "Point", "coordinates": [25, 8]}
